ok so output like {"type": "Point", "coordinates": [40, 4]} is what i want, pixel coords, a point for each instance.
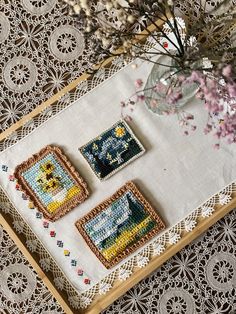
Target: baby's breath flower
{"type": "Point", "coordinates": [77, 8]}
{"type": "Point", "coordinates": [131, 19]}
{"type": "Point", "coordinates": [84, 4]}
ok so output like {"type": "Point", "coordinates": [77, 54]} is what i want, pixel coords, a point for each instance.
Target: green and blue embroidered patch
{"type": "Point", "coordinates": [120, 225]}
{"type": "Point", "coordinates": [51, 183]}
{"type": "Point", "coordinates": [112, 150]}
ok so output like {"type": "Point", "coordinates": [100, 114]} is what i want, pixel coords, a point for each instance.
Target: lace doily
{"type": "Point", "coordinates": [201, 278]}
{"type": "Point", "coordinates": [42, 50]}
{"type": "Point", "coordinates": [21, 290]}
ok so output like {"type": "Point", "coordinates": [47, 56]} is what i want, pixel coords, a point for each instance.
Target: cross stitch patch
{"type": "Point", "coordinates": [120, 225]}
{"type": "Point", "coordinates": [51, 183]}
{"type": "Point", "coordinates": [112, 150]}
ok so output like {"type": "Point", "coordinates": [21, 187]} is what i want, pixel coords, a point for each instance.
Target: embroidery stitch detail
{"type": "Point", "coordinates": [112, 150]}
{"type": "Point", "coordinates": [51, 183]}
{"type": "Point", "coordinates": [120, 225]}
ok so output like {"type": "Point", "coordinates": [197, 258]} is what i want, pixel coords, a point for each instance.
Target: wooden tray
{"type": "Point", "coordinates": [119, 288]}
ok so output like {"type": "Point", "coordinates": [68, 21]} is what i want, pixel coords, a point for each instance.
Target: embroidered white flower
{"type": "Point", "coordinates": [190, 224]}
{"type": "Point", "coordinates": [5, 207]}
{"type": "Point", "coordinates": [85, 301]}
{"type": "Point", "coordinates": [48, 111]}
{"type": "Point", "coordinates": [19, 226]}
{"type": "Point", "coordinates": [224, 198]}
{"type": "Point", "coordinates": [45, 264]}
{"type": "Point", "coordinates": [173, 237]}
{"type": "Point", "coordinates": [158, 248]}
{"type": "Point", "coordinates": [32, 244]}
{"type": "Point", "coordinates": [124, 273]}
{"type": "Point", "coordinates": [30, 124]}
{"type": "Point", "coordinates": [207, 211]}
{"type": "Point", "coordinates": [104, 287]}
{"type": "Point", "coordinates": [207, 63]}
{"type": "Point", "coordinates": [142, 261]}
{"type": "Point", "coordinates": [59, 282]}
{"type": "Point", "coordinates": [75, 301]}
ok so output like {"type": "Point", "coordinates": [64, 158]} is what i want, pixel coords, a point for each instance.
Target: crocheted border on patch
{"type": "Point", "coordinates": [151, 216]}
{"type": "Point", "coordinates": [64, 195]}
{"type": "Point", "coordinates": [119, 141]}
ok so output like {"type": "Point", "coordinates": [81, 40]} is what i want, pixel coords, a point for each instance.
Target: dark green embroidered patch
{"type": "Point", "coordinates": [112, 150]}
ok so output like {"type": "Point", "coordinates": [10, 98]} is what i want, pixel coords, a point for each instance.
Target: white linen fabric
{"type": "Point", "coordinates": [177, 173]}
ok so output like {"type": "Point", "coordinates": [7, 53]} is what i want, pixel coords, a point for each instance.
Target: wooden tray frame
{"type": "Point", "coordinates": [120, 287]}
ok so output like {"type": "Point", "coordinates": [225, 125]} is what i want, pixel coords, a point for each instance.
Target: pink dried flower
{"type": "Point", "coordinates": [141, 97]}
{"type": "Point", "coordinates": [139, 83]}
{"type": "Point", "coordinates": [231, 90]}
{"type": "Point", "coordinates": [159, 87]}
{"type": "Point", "coordinates": [199, 95]}
{"type": "Point", "coordinates": [174, 97]}
{"type": "Point", "coordinates": [166, 113]}
{"type": "Point", "coordinates": [216, 146]}
{"type": "Point", "coordinates": [153, 103]}
{"type": "Point", "coordinates": [207, 128]}
{"type": "Point", "coordinates": [227, 71]}
{"type": "Point", "coordinates": [189, 116]}
{"type": "Point", "coordinates": [181, 78]}
{"type": "Point", "coordinates": [219, 101]}
{"type": "Point", "coordinates": [182, 122]}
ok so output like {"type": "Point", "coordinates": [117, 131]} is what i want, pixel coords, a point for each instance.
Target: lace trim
{"type": "Point", "coordinates": [141, 259]}
{"type": "Point", "coordinates": [198, 279]}
{"type": "Point", "coordinates": [69, 98]}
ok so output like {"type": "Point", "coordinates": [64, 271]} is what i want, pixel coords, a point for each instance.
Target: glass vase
{"type": "Point", "coordinates": [164, 74]}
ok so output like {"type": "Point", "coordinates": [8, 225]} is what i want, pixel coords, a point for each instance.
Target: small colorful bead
{"type": "Point", "coordinates": [80, 272]}
{"type": "Point", "coordinates": [73, 262]}
{"type": "Point", "coordinates": [11, 177]}
{"type": "Point", "coordinates": [24, 196]}
{"type": "Point", "coordinates": [4, 168]}
{"type": "Point", "coordinates": [52, 234]}
{"type": "Point", "coordinates": [45, 224]}
{"type": "Point", "coordinates": [86, 281]}
{"type": "Point", "coordinates": [66, 252]}
{"type": "Point", "coordinates": [31, 205]}
{"type": "Point", "coordinates": [60, 243]}
{"type": "Point", "coordinates": [38, 215]}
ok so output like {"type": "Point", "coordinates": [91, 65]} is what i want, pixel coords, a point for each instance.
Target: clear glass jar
{"type": "Point", "coordinates": [165, 75]}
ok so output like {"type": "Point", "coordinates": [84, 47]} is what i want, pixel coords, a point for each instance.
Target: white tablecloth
{"type": "Point", "coordinates": [177, 173]}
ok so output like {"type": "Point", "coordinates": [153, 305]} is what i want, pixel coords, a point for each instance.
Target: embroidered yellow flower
{"type": "Point", "coordinates": [109, 157]}
{"type": "Point", "coordinates": [51, 185]}
{"type": "Point", "coordinates": [119, 131]}
{"type": "Point", "coordinates": [48, 167]}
